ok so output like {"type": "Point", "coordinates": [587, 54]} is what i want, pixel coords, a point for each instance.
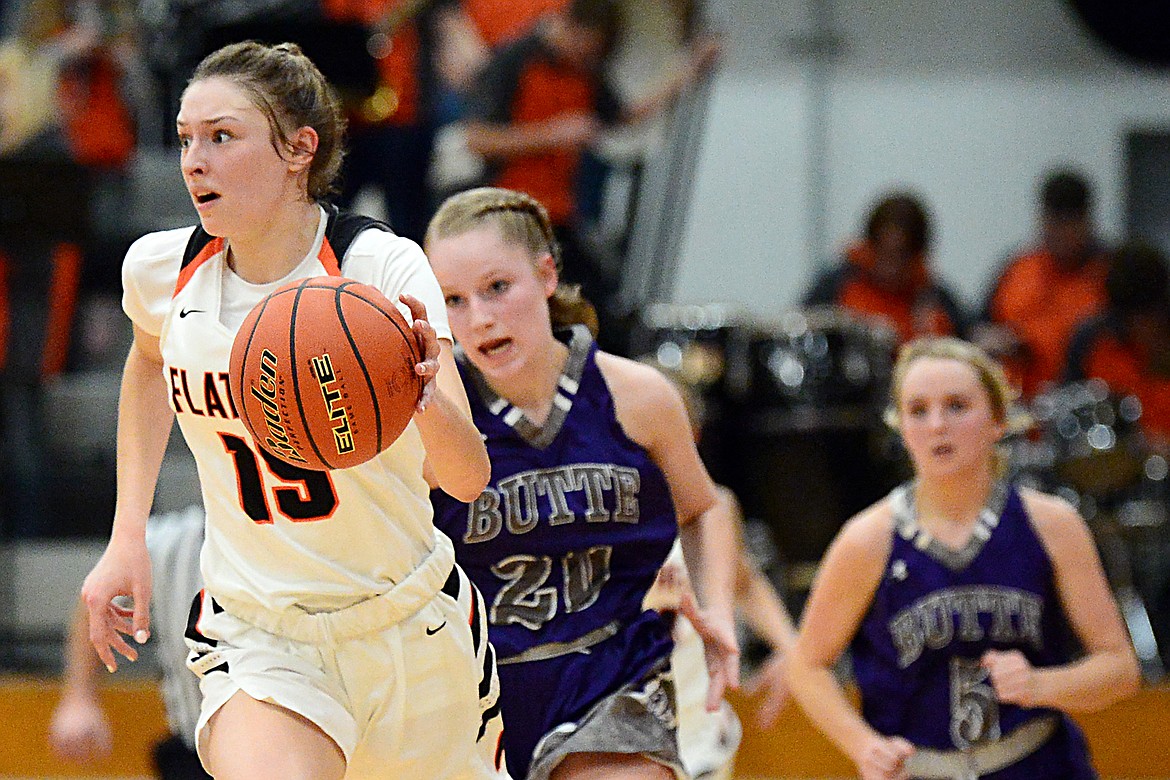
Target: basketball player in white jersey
{"type": "Point", "coordinates": [335, 638]}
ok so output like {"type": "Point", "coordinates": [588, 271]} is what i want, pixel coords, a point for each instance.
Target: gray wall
{"type": "Point", "coordinates": [822, 105]}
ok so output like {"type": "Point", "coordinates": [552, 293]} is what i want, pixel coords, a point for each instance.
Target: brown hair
{"type": "Point", "coordinates": [523, 221]}
{"type": "Point", "coordinates": [291, 92]}
{"type": "Point", "coordinates": [905, 212]}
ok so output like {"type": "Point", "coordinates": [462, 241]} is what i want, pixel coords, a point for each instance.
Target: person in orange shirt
{"type": "Point", "coordinates": [1128, 344]}
{"type": "Point", "coordinates": [886, 275]}
{"type": "Point", "coordinates": [1043, 292]}
{"type": "Point", "coordinates": [499, 23]}
{"type": "Point", "coordinates": [541, 100]}
{"type": "Point", "coordinates": [418, 47]}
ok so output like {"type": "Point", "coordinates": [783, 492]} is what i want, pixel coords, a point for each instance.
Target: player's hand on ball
{"type": "Point", "coordinates": [428, 347]}
{"type": "Point", "coordinates": [1012, 677]}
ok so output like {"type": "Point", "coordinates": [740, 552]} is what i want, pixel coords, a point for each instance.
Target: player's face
{"type": "Point", "coordinates": [235, 177]}
{"type": "Point", "coordinates": [946, 418]}
{"type": "Point", "coordinates": [497, 299]}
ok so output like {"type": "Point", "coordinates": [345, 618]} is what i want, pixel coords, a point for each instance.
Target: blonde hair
{"type": "Point", "coordinates": [522, 221]}
{"type": "Point", "coordinates": [1000, 393]}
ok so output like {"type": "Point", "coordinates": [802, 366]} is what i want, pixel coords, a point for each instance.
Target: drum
{"type": "Point", "coordinates": [821, 358]}
{"type": "Point", "coordinates": [806, 394]}
{"type": "Point", "coordinates": [688, 341]}
{"type": "Point", "coordinates": [1092, 438]}
{"type": "Point", "coordinates": [1089, 449]}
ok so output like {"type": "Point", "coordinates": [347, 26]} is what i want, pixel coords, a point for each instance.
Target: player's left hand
{"type": "Point", "coordinates": [79, 730]}
{"type": "Point", "coordinates": [428, 347]}
{"type": "Point", "coordinates": [1012, 677]}
{"type": "Point", "coordinates": [719, 645]}
{"type": "Point", "coordinates": [771, 682]}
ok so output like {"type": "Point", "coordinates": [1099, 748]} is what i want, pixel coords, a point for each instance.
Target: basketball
{"type": "Point", "coordinates": [322, 373]}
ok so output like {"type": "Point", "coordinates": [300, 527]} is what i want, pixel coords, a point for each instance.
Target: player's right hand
{"type": "Point", "coordinates": [122, 571]}
{"type": "Point", "coordinates": [770, 683]}
{"type": "Point", "coordinates": [719, 647]}
{"type": "Point", "coordinates": [884, 758]}
{"type": "Point", "coordinates": [79, 730]}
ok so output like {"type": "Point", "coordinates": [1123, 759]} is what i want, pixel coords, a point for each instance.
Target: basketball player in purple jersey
{"type": "Point", "coordinates": [956, 595]}
{"type": "Point", "coordinates": [594, 473]}
{"type": "Point", "coordinates": [335, 636]}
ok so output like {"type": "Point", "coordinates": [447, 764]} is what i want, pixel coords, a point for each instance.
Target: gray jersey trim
{"type": "Point", "coordinates": [906, 525]}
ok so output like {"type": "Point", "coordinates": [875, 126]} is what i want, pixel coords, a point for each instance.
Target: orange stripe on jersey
{"type": "Point", "coordinates": [63, 286]}
{"type": "Point", "coordinates": [202, 607]}
{"type": "Point", "coordinates": [328, 259]}
{"type": "Point", "coordinates": [212, 248]}
{"type": "Point", "coordinates": [499, 756]}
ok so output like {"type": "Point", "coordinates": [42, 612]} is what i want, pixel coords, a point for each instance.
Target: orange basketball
{"type": "Point", "coordinates": [322, 373]}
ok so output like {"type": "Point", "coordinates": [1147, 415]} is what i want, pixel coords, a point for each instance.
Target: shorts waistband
{"type": "Point", "coordinates": [403, 599]}
{"type": "Point", "coordinates": [556, 649]}
{"type": "Point", "coordinates": [984, 758]}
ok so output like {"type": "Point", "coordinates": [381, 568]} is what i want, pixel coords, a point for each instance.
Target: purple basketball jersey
{"type": "Point", "coordinates": [937, 610]}
{"type": "Point", "coordinates": [564, 543]}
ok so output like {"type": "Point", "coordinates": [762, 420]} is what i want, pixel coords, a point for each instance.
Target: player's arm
{"type": "Point", "coordinates": [79, 729]}
{"type": "Point", "coordinates": [841, 594]}
{"type": "Point", "coordinates": [145, 418]}
{"type": "Point", "coordinates": [457, 459]}
{"type": "Point", "coordinates": [1108, 671]}
{"type": "Point", "coordinates": [755, 598]}
{"type": "Point", "coordinates": [765, 614]}
{"type": "Point", "coordinates": [651, 411]}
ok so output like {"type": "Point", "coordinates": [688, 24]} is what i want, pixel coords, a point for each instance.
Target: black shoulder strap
{"type": "Point", "coordinates": [344, 226]}
{"type": "Point", "coordinates": [199, 239]}
{"type": "Point", "coordinates": [340, 231]}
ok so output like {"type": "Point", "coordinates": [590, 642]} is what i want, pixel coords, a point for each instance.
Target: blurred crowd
{"type": "Point", "coordinates": [446, 94]}
{"type": "Point", "coordinates": [440, 95]}
{"type": "Point", "coordinates": [443, 95]}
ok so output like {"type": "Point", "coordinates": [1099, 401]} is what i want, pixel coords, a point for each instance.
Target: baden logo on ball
{"type": "Point", "coordinates": [323, 372]}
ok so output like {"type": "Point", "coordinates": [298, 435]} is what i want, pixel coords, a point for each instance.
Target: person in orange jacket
{"type": "Point", "coordinates": [1128, 344]}
{"type": "Point", "coordinates": [1042, 293]}
{"type": "Point", "coordinates": [887, 276]}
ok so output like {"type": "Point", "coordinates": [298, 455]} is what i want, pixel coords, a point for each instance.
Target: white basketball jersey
{"type": "Point", "coordinates": [278, 536]}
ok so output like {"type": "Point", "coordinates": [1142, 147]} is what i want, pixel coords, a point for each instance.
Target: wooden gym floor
{"type": "Point", "coordinates": [1129, 740]}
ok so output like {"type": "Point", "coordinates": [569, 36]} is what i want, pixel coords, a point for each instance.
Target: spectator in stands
{"type": "Point", "coordinates": [887, 276]}
{"type": "Point", "coordinates": [1128, 343]}
{"type": "Point", "coordinates": [499, 23]}
{"type": "Point", "coordinates": [542, 99]}
{"type": "Point", "coordinates": [1043, 292]}
{"type": "Point", "coordinates": [59, 80]}
{"type": "Point", "coordinates": [423, 50]}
